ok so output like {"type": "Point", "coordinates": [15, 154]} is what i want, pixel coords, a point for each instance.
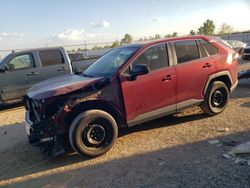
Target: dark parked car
{"type": "Point", "coordinates": [246, 53]}
{"type": "Point", "coordinates": [128, 86]}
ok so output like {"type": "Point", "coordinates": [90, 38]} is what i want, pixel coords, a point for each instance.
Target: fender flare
{"type": "Point", "coordinates": [100, 105]}
{"type": "Point", "coordinates": [216, 75]}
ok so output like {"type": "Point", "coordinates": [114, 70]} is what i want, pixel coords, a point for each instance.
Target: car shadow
{"type": "Point", "coordinates": [20, 150]}
{"type": "Point", "coordinates": [242, 90]}
{"type": "Point", "coordinates": [197, 164]}
{"type": "Point", "coordinates": [10, 106]}
{"type": "Point", "coordinates": [247, 104]}
{"type": "Point", "coordinates": [35, 169]}
{"type": "Point", "coordinates": [170, 120]}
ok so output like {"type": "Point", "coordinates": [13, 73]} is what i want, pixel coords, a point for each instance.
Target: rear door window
{"type": "Point", "coordinates": [51, 58]}
{"type": "Point", "coordinates": [186, 51]}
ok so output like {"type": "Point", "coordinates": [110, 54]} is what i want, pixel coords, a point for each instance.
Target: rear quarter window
{"type": "Point", "coordinates": [51, 57]}
{"type": "Point", "coordinates": [210, 48]}
{"type": "Point", "coordinates": [186, 51]}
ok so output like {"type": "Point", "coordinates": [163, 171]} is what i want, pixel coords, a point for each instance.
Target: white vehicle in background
{"type": "Point", "coordinates": [237, 45]}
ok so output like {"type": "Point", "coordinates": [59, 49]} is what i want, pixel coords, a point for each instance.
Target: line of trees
{"type": "Point", "coordinates": [207, 28]}
{"type": "Point", "coordinates": [127, 39]}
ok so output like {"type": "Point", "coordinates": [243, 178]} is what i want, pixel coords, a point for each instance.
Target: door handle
{"type": "Point", "coordinates": [207, 65]}
{"type": "Point", "coordinates": [32, 74]}
{"type": "Point", "coordinates": [168, 77]}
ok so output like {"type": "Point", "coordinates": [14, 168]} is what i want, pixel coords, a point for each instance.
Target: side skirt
{"type": "Point", "coordinates": [163, 112]}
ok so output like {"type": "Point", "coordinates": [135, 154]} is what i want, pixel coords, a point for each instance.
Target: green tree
{"type": "Point", "coordinates": [107, 46]}
{"type": "Point", "coordinates": [192, 32]}
{"type": "Point", "coordinates": [127, 39]}
{"type": "Point", "coordinates": [115, 44]}
{"type": "Point", "coordinates": [174, 34]}
{"type": "Point", "coordinates": [157, 36]}
{"type": "Point", "coordinates": [225, 29]}
{"type": "Point", "coordinates": [79, 50]}
{"type": "Point", "coordinates": [97, 48]}
{"type": "Point", "coordinates": [207, 28]}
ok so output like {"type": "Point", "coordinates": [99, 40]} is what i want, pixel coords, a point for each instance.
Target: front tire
{"type": "Point", "coordinates": [93, 133]}
{"type": "Point", "coordinates": [216, 98]}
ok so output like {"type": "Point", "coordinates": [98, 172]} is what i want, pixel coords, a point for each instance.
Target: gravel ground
{"type": "Point", "coordinates": [168, 152]}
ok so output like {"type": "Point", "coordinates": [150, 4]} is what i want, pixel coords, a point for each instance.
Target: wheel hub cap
{"type": "Point", "coordinates": [218, 98]}
{"type": "Point", "coordinates": [96, 134]}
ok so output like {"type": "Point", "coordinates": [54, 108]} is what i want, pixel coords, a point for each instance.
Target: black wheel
{"type": "Point", "coordinates": [93, 133]}
{"type": "Point", "coordinates": [216, 98]}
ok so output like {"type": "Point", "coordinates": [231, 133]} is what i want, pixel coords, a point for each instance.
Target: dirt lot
{"type": "Point", "coordinates": [168, 152]}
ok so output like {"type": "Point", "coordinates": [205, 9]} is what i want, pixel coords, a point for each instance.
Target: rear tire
{"type": "Point", "coordinates": [93, 133]}
{"type": "Point", "coordinates": [216, 98]}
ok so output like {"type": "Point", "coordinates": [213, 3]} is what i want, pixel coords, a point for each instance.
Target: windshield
{"type": "Point", "coordinates": [110, 63]}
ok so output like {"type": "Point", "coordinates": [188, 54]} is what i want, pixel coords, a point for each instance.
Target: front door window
{"type": "Point", "coordinates": [21, 62]}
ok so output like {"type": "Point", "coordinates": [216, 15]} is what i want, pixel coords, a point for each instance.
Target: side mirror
{"type": "Point", "coordinates": [139, 69]}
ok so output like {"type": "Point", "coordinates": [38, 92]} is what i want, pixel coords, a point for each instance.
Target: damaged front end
{"type": "Point", "coordinates": [52, 105]}
{"type": "Point", "coordinates": [48, 119]}
{"type": "Point", "coordinates": [42, 125]}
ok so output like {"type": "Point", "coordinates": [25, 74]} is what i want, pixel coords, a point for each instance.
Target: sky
{"type": "Point", "coordinates": [31, 23]}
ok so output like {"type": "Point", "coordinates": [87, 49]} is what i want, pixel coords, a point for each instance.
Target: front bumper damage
{"type": "Point", "coordinates": [39, 133]}
{"type": "Point", "coordinates": [43, 135]}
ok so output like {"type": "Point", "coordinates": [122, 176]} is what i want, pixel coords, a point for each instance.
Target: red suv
{"type": "Point", "coordinates": [128, 86]}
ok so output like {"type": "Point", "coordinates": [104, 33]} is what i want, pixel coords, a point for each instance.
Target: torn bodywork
{"type": "Point", "coordinates": [50, 112]}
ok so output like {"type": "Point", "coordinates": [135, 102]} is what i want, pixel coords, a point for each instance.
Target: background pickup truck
{"type": "Point", "coordinates": [21, 70]}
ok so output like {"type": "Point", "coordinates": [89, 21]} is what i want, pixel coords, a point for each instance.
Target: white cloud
{"type": "Point", "coordinates": [4, 34]}
{"type": "Point", "coordinates": [11, 35]}
{"type": "Point", "coordinates": [71, 34]}
{"type": "Point", "coordinates": [18, 34]}
{"type": "Point", "coordinates": [103, 24]}
{"type": "Point", "coordinates": [1, 38]}
{"type": "Point", "coordinates": [76, 35]}
{"type": "Point", "coordinates": [157, 19]}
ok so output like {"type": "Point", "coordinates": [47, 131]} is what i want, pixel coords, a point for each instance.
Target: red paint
{"type": "Point", "coordinates": [149, 92]}
{"type": "Point", "coordinates": [59, 86]}
{"type": "Point", "coordinates": [192, 78]}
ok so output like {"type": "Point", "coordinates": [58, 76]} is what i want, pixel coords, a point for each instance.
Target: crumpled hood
{"type": "Point", "coordinates": [60, 85]}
